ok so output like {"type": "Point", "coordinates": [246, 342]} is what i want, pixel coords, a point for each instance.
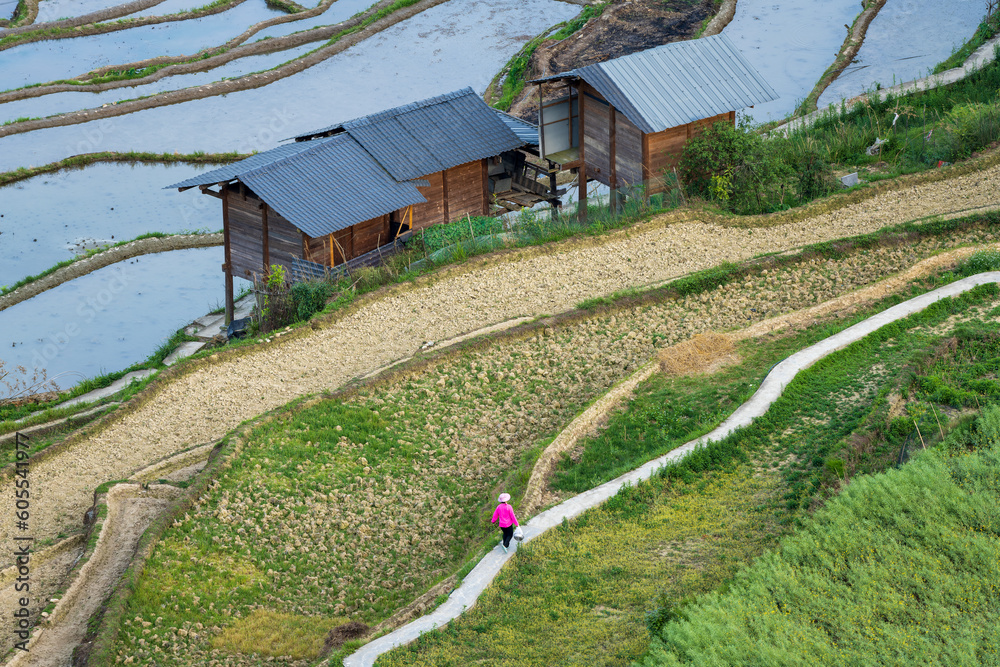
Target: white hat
{"type": "Point", "coordinates": [504, 497]}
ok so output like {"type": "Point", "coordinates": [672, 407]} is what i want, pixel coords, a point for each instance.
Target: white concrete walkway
{"type": "Point", "coordinates": [465, 596]}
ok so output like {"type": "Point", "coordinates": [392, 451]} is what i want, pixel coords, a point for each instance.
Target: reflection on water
{"type": "Point", "coordinates": [904, 42]}
{"type": "Point", "coordinates": [791, 44]}
{"type": "Point", "coordinates": [49, 105]}
{"type": "Point", "coordinates": [459, 43]}
{"type": "Point", "coordinates": [53, 10]}
{"type": "Point", "coordinates": [105, 202]}
{"type": "Point", "coordinates": [108, 320]}
{"type": "Point", "coordinates": [50, 60]}
{"type": "Point", "coordinates": [340, 10]}
{"type": "Point", "coordinates": [7, 8]}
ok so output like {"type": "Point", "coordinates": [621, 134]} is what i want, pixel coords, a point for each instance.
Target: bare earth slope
{"type": "Point", "coordinates": [209, 401]}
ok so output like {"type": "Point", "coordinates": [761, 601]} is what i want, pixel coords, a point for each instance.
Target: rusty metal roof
{"type": "Point", "coordinates": [676, 84]}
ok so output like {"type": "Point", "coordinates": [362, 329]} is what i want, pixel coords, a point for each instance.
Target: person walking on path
{"type": "Point", "coordinates": [504, 513]}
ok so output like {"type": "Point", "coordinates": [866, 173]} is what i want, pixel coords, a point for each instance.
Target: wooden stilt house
{"type": "Point", "coordinates": [344, 193]}
{"type": "Point", "coordinates": [624, 122]}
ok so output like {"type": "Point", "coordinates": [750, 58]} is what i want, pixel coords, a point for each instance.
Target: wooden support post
{"type": "Point", "coordinates": [553, 186]}
{"type": "Point", "coordinates": [582, 192]}
{"type": "Point", "coordinates": [541, 124]}
{"type": "Point", "coordinates": [444, 194]}
{"type": "Point", "coordinates": [612, 159]}
{"type": "Point", "coordinates": [228, 266]}
{"type": "Point", "coordinates": [265, 236]}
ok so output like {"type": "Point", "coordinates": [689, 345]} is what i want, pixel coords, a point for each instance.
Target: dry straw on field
{"type": "Point", "coordinates": [703, 353]}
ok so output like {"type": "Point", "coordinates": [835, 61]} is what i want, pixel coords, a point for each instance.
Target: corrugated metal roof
{"type": "Point", "coordinates": [524, 130]}
{"type": "Point", "coordinates": [428, 136]}
{"type": "Point", "coordinates": [331, 187]}
{"type": "Point", "coordinates": [231, 171]}
{"type": "Point", "coordinates": [320, 186]}
{"type": "Point", "coordinates": [676, 84]}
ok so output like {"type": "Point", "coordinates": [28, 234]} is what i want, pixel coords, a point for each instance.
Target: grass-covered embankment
{"type": "Point", "coordinates": [601, 583]}
{"type": "Point", "coordinates": [902, 568]}
{"type": "Point", "coordinates": [349, 509]}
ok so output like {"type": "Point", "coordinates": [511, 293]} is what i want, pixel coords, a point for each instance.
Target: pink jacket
{"type": "Point", "coordinates": [505, 513]}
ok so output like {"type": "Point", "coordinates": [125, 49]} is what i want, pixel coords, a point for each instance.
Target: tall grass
{"type": "Point", "coordinates": [902, 568]}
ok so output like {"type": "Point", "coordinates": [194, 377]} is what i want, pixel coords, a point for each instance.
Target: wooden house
{"type": "Point", "coordinates": [635, 113]}
{"type": "Point", "coordinates": [344, 193]}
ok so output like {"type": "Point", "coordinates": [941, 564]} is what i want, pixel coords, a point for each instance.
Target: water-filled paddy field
{"type": "Point", "coordinates": [46, 219]}
{"type": "Point", "coordinates": [111, 318]}
{"type": "Point", "coordinates": [456, 44]}
{"type": "Point", "coordinates": [904, 42]}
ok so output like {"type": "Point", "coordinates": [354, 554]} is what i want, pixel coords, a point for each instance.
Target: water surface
{"type": "Point", "coordinates": [905, 41]}
{"type": "Point", "coordinates": [54, 10]}
{"type": "Point", "coordinates": [108, 320]}
{"type": "Point", "coordinates": [55, 103]}
{"type": "Point", "coordinates": [791, 43]}
{"type": "Point", "coordinates": [456, 44]}
{"type": "Point", "coordinates": [50, 60]}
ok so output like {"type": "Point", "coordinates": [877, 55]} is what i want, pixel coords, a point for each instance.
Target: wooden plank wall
{"type": "Point", "coordinates": [466, 190]}
{"type": "Point", "coordinates": [246, 236]}
{"type": "Point", "coordinates": [352, 242]}
{"type": "Point", "coordinates": [431, 213]}
{"type": "Point", "coordinates": [284, 241]}
{"type": "Point", "coordinates": [330, 249]}
{"type": "Point", "coordinates": [596, 134]}
{"type": "Point", "coordinates": [665, 148]}
{"type": "Point", "coordinates": [628, 149]}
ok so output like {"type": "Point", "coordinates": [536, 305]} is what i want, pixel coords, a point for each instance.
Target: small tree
{"type": "Point", "coordinates": [736, 168]}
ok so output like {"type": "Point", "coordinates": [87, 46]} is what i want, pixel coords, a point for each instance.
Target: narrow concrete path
{"type": "Point", "coordinates": [465, 596]}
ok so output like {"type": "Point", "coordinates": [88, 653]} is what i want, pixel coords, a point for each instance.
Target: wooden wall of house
{"type": "Point", "coordinates": [246, 236]}
{"type": "Point", "coordinates": [453, 194]}
{"type": "Point", "coordinates": [432, 212]}
{"type": "Point", "coordinates": [356, 240]}
{"type": "Point", "coordinates": [596, 134]}
{"type": "Point", "coordinates": [597, 137]}
{"type": "Point", "coordinates": [664, 149]}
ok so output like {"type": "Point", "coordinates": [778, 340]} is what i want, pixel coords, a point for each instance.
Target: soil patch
{"type": "Point", "coordinates": [344, 633]}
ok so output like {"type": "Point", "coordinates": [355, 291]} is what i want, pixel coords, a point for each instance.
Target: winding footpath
{"type": "Point", "coordinates": [465, 596]}
{"type": "Point", "coordinates": [207, 399]}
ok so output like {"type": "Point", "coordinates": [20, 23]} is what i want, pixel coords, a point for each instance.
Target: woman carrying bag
{"type": "Point", "coordinates": [504, 514]}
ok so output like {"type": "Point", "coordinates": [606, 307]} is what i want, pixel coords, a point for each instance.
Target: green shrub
{"type": "Point", "coordinates": [309, 297]}
{"type": "Point", "coordinates": [440, 236]}
{"type": "Point", "coordinates": [981, 261]}
{"type": "Point", "coordinates": [738, 169]}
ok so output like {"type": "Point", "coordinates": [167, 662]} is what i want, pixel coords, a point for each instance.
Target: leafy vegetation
{"type": "Point", "coordinates": [742, 172]}
{"type": "Point", "coordinates": [902, 568]}
{"type": "Point", "coordinates": [986, 30]}
{"type": "Point", "coordinates": [603, 584]}
{"type": "Point", "coordinates": [515, 73]}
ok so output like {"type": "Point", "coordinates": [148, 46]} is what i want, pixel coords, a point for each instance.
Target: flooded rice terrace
{"type": "Point", "coordinates": [111, 318]}
{"type": "Point", "coordinates": [904, 42]}
{"type": "Point", "coordinates": [459, 43]}
{"type": "Point", "coordinates": [791, 43]}
{"type": "Point", "coordinates": [455, 44]}
{"type": "Point", "coordinates": [99, 205]}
